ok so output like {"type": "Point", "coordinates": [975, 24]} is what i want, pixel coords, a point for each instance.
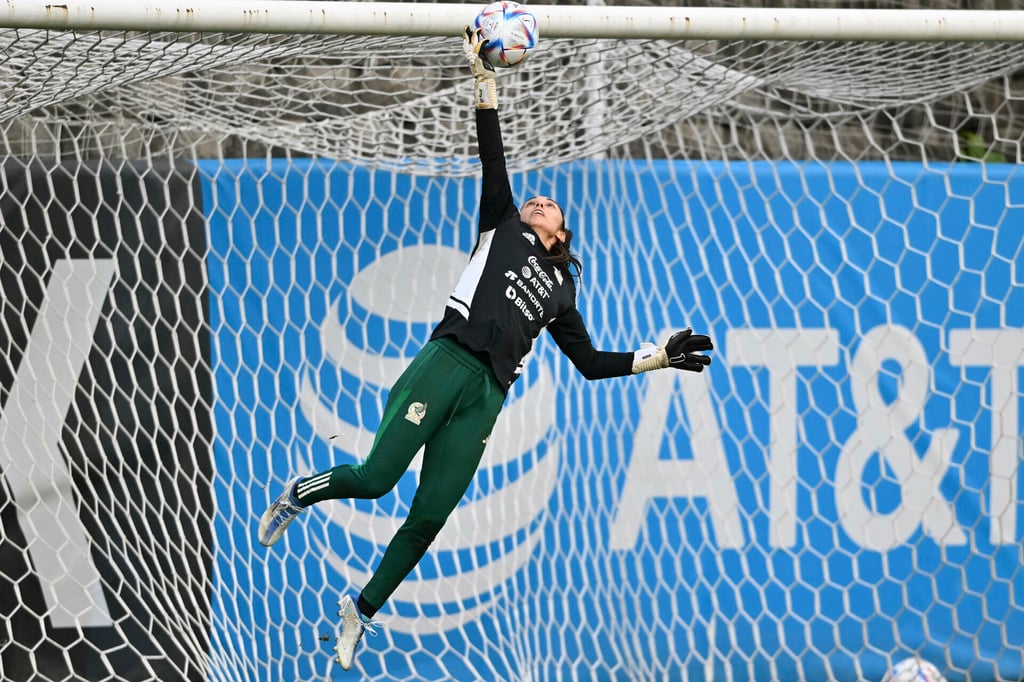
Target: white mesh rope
{"type": "Point", "coordinates": [219, 250]}
{"type": "Point", "coordinates": [365, 100]}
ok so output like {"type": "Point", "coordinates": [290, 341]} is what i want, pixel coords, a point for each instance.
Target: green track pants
{"type": "Point", "coordinates": [446, 402]}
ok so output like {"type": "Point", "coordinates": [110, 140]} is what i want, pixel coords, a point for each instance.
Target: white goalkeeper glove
{"type": "Point", "coordinates": [483, 73]}
{"type": "Point", "coordinates": [680, 351]}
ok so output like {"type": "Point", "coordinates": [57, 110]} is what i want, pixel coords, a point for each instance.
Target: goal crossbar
{"type": "Point", "coordinates": [413, 19]}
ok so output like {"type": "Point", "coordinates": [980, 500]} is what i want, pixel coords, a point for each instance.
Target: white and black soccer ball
{"type": "Point", "coordinates": [510, 30]}
{"type": "Point", "coordinates": [915, 669]}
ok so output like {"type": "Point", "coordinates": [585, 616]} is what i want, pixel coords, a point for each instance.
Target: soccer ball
{"type": "Point", "coordinates": [510, 31]}
{"type": "Point", "coordinates": [915, 670]}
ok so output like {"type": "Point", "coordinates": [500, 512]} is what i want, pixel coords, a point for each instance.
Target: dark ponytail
{"type": "Point", "coordinates": [562, 255]}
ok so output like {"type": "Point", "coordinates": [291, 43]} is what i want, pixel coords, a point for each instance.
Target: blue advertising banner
{"type": "Point", "coordinates": [839, 490]}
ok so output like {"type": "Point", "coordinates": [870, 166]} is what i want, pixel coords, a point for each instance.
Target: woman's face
{"type": "Point", "coordinates": [545, 217]}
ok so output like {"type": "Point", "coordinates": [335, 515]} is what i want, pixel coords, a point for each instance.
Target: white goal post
{"type": "Point", "coordinates": [447, 19]}
{"type": "Point", "coordinates": [226, 227]}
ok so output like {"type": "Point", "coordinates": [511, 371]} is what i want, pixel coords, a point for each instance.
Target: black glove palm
{"type": "Point", "coordinates": [682, 347]}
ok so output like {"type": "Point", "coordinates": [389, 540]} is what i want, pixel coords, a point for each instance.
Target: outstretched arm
{"type": "Point", "coordinates": [570, 333]}
{"type": "Point", "coordinates": [682, 351]}
{"type": "Point", "coordinates": [496, 201]}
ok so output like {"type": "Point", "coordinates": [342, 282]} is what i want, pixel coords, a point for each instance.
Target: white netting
{"type": "Point", "coordinates": [257, 232]}
{"type": "Point", "coordinates": [361, 99]}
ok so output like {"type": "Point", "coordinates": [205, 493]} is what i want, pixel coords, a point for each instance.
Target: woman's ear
{"type": "Point", "coordinates": [561, 236]}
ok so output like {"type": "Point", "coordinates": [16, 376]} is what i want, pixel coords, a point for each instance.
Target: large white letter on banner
{"type": "Point", "coordinates": [707, 475]}
{"type": "Point", "coordinates": [30, 431]}
{"type": "Point", "coordinates": [1002, 350]}
{"type": "Point", "coordinates": [782, 352]}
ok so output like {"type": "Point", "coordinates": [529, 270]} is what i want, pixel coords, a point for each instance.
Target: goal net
{"type": "Point", "coordinates": [218, 250]}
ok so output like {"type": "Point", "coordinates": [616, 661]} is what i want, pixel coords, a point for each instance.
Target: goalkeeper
{"type": "Point", "coordinates": [520, 280]}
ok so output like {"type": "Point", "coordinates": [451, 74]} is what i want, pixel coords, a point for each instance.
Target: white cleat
{"type": "Point", "coordinates": [279, 514]}
{"type": "Point", "coordinates": [352, 628]}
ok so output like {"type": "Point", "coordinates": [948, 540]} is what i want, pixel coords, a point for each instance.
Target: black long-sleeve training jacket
{"type": "Point", "coordinates": [509, 291]}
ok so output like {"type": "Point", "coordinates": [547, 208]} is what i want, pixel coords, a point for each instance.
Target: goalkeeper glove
{"type": "Point", "coordinates": [473, 44]}
{"type": "Point", "coordinates": [680, 352]}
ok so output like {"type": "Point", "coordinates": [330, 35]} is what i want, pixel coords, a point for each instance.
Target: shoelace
{"type": "Point", "coordinates": [290, 505]}
{"type": "Point", "coordinates": [286, 512]}
{"type": "Point", "coordinates": [371, 625]}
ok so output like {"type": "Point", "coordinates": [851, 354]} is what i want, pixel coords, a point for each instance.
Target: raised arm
{"type": "Point", "coordinates": [496, 201]}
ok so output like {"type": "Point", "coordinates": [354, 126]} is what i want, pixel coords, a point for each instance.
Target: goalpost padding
{"type": "Point", "coordinates": [840, 490]}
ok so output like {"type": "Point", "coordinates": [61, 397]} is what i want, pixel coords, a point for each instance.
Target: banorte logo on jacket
{"type": "Point", "coordinates": [501, 517]}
